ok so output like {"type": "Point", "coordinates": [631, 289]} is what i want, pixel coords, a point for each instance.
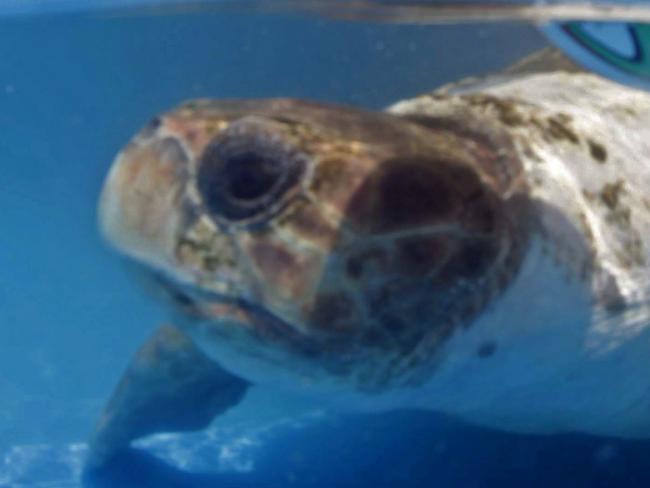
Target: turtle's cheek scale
{"type": "Point", "coordinates": [248, 171]}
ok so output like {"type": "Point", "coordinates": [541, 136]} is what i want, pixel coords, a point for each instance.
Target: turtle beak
{"type": "Point", "coordinates": [139, 208]}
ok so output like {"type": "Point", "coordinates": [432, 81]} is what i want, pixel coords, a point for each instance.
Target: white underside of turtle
{"type": "Point", "coordinates": [564, 347]}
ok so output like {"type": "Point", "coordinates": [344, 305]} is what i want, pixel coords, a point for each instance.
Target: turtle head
{"type": "Point", "coordinates": [323, 230]}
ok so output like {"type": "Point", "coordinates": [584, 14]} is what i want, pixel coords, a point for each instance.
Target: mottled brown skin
{"type": "Point", "coordinates": [387, 235]}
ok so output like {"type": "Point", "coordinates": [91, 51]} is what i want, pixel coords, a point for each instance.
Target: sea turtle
{"type": "Point", "coordinates": [481, 251]}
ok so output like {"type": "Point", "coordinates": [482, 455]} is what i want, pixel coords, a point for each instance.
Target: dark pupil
{"type": "Point", "coordinates": [244, 184]}
{"type": "Point", "coordinates": [250, 176]}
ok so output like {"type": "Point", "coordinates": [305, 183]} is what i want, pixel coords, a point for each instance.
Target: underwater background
{"type": "Point", "coordinates": [74, 87]}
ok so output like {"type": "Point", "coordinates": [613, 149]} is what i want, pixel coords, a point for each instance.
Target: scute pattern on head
{"type": "Point", "coordinates": [395, 234]}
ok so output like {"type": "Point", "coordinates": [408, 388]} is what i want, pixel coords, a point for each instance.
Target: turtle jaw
{"type": "Point", "coordinates": [234, 319]}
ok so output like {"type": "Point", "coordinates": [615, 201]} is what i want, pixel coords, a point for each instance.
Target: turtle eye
{"type": "Point", "coordinates": [248, 169]}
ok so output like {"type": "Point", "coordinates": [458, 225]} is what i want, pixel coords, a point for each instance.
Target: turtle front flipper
{"type": "Point", "coordinates": [170, 386]}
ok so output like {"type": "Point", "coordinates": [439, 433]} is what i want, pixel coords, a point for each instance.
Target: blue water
{"type": "Point", "coordinates": [73, 89]}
